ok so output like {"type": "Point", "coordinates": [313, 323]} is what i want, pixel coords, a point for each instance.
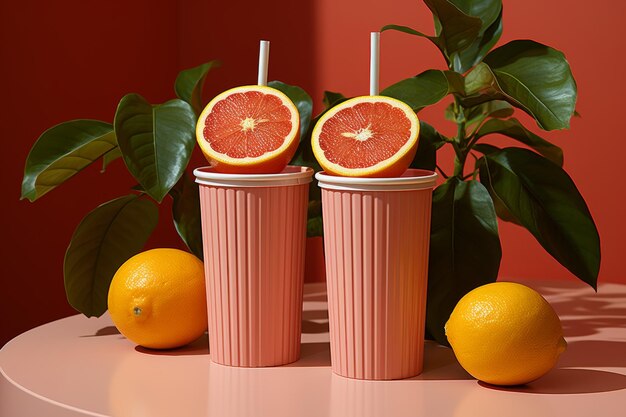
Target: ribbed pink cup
{"type": "Point", "coordinates": [376, 236]}
{"type": "Point", "coordinates": [254, 233]}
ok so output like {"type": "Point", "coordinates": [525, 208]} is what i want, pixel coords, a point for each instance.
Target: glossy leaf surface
{"type": "Point", "coordinates": [455, 29]}
{"type": "Point", "coordinates": [189, 83]}
{"type": "Point", "coordinates": [536, 78]}
{"type": "Point", "coordinates": [490, 14]}
{"type": "Point", "coordinates": [186, 214]}
{"type": "Point", "coordinates": [545, 200]}
{"type": "Point", "coordinates": [62, 151]}
{"type": "Point", "coordinates": [105, 238]}
{"type": "Point", "coordinates": [156, 141]}
{"type": "Point", "coordinates": [429, 141]}
{"type": "Point", "coordinates": [465, 248]}
{"type": "Point", "coordinates": [514, 129]}
{"type": "Point", "coordinates": [425, 89]}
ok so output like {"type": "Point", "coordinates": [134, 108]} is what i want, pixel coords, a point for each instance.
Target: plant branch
{"type": "Point", "coordinates": [443, 174]}
{"type": "Point", "coordinates": [459, 142]}
{"type": "Point", "coordinates": [477, 128]}
{"type": "Point", "coordinates": [472, 142]}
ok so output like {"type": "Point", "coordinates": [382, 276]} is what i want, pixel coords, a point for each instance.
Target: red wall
{"type": "Point", "coordinates": [76, 59]}
{"type": "Point", "coordinates": [61, 61]}
{"type": "Point", "coordinates": [591, 38]}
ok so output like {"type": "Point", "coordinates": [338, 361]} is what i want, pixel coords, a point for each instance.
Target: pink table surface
{"type": "Point", "coordinates": [78, 366]}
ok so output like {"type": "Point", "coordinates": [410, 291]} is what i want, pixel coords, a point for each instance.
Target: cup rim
{"type": "Point", "coordinates": [291, 175]}
{"type": "Point", "coordinates": [412, 179]}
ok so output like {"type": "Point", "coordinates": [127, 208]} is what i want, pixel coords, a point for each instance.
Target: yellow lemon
{"type": "Point", "coordinates": [157, 299]}
{"type": "Point", "coordinates": [505, 334]}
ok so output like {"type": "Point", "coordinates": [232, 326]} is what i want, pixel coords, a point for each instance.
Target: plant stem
{"type": "Point", "coordinates": [459, 142]}
{"type": "Point", "coordinates": [443, 174]}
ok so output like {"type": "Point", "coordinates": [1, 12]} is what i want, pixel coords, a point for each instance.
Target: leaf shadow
{"type": "Point", "coordinates": [597, 318]}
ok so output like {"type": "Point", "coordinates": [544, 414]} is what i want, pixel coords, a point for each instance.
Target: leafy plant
{"type": "Point", "coordinates": [527, 186]}
{"type": "Point", "coordinates": [155, 142]}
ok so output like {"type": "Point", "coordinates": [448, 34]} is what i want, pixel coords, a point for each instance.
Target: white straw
{"type": "Point", "coordinates": [374, 65]}
{"type": "Point", "coordinates": [264, 57]}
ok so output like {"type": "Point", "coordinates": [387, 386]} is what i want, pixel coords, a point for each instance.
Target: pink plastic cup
{"type": "Point", "coordinates": [254, 233]}
{"type": "Point", "coordinates": [376, 237]}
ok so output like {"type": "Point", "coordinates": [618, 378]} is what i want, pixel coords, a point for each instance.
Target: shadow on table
{"type": "Point", "coordinates": [199, 347]}
{"type": "Point", "coordinates": [440, 364]}
{"type": "Point", "coordinates": [439, 361]}
{"type": "Point", "coordinates": [315, 321]}
{"type": "Point", "coordinates": [316, 354]}
{"type": "Point", "coordinates": [105, 331]}
{"type": "Point", "coordinates": [570, 381]}
{"type": "Point", "coordinates": [584, 313]}
{"type": "Point", "coordinates": [321, 296]}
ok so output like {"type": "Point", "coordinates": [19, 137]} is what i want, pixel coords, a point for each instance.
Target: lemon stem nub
{"type": "Point", "coordinates": [137, 311]}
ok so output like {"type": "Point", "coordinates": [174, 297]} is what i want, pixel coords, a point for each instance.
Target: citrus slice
{"type": "Point", "coordinates": [369, 136]}
{"type": "Point", "coordinates": [249, 130]}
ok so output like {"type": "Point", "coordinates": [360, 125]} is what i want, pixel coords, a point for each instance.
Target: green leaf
{"type": "Point", "coordinates": [429, 141]}
{"type": "Point", "coordinates": [109, 157]}
{"type": "Point", "coordinates": [405, 29]}
{"type": "Point", "coordinates": [487, 39]}
{"type": "Point", "coordinates": [62, 151]}
{"type": "Point", "coordinates": [449, 112]}
{"type": "Point", "coordinates": [537, 79]}
{"type": "Point", "coordinates": [426, 88]}
{"type": "Point", "coordinates": [485, 148]}
{"type": "Point", "coordinates": [496, 108]}
{"type": "Point", "coordinates": [102, 242]}
{"type": "Point", "coordinates": [156, 141]}
{"type": "Point", "coordinates": [410, 31]}
{"type": "Point", "coordinates": [480, 81]}
{"type": "Point", "coordinates": [545, 200]}
{"type": "Point", "coordinates": [490, 14]}
{"type": "Point", "coordinates": [304, 155]}
{"type": "Point", "coordinates": [301, 99]}
{"type": "Point", "coordinates": [465, 248]}
{"type": "Point", "coordinates": [455, 29]}
{"type": "Point", "coordinates": [315, 226]}
{"type": "Point", "coordinates": [189, 83]}
{"type": "Point", "coordinates": [501, 211]}
{"type": "Point", "coordinates": [186, 214]}
{"type": "Point", "coordinates": [488, 11]}
{"type": "Point", "coordinates": [331, 99]}
{"type": "Point", "coordinates": [514, 129]}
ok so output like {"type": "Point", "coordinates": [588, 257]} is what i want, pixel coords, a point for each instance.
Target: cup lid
{"type": "Point", "coordinates": [291, 175]}
{"type": "Point", "coordinates": [412, 179]}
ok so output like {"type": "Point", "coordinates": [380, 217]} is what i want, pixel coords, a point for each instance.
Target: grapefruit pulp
{"type": "Point", "coordinates": [369, 136]}
{"type": "Point", "coordinates": [249, 130]}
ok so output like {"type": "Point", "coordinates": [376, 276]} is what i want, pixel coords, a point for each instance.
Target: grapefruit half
{"type": "Point", "coordinates": [369, 136]}
{"type": "Point", "coordinates": [249, 130]}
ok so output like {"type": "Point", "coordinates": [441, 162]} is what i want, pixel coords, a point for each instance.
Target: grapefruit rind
{"type": "Point", "coordinates": [269, 162]}
{"type": "Point", "coordinates": [392, 166]}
